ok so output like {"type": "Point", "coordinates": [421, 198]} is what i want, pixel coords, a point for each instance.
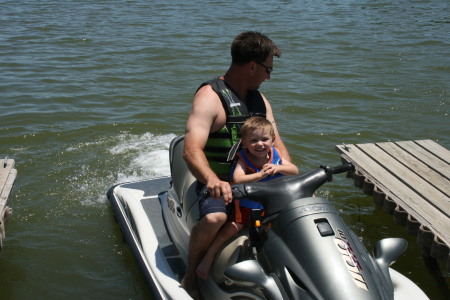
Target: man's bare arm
{"type": "Point", "coordinates": [200, 122]}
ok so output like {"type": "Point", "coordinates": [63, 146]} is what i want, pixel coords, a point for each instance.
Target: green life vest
{"type": "Point", "coordinates": [221, 142]}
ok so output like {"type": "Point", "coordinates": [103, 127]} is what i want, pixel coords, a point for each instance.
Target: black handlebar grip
{"type": "Point", "coordinates": [342, 169]}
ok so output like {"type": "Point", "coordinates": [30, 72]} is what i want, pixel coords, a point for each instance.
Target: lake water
{"type": "Point", "coordinates": [92, 92]}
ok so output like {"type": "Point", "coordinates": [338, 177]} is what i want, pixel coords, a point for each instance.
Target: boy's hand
{"type": "Point", "coordinates": [263, 173]}
{"type": "Point", "coordinates": [270, 169]}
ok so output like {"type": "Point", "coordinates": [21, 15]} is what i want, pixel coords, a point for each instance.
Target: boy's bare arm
{"type": "Point", "coordinates": [239, 175]}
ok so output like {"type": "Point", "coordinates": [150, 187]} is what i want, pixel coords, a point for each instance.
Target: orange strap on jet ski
{"type": "Point", "coordinates": [237, 211]}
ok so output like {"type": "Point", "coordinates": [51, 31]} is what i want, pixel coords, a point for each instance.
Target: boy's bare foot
{"type": "Point", "coordinates": [204, 267]}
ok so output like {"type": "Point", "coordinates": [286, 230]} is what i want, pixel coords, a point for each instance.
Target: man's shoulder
{"type": "Point", "coordinates": [206, 93]}
{"type": "Point", "coordinates": [207, 104]}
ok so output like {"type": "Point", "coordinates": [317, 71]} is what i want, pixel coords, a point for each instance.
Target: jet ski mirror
{"type": "Point", "coordinates": [387, 251]}
{"type": "Point", "coordinates": [250, 273]}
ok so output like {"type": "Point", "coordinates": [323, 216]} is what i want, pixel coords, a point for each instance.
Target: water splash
{"type": "Point", "coordinates": [112, 160]}
{"type": "Point", "coordinates": [148, 156]}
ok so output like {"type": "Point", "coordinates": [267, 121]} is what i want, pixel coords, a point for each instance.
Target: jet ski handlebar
{"type": "Point", "coordinates": [275, 194]}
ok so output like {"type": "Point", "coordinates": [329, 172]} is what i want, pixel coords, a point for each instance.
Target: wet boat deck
{"type": "Point", "coordinates": [153, 190]}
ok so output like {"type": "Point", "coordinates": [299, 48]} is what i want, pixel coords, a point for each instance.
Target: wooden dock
{"type": "Point", "coordinates": [7, 177]}
{"type": "Point", "coordinates": [410, 180]}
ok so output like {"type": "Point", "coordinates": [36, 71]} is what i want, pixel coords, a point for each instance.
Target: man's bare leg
{"type": "Point", "coordinates": [202, 235]}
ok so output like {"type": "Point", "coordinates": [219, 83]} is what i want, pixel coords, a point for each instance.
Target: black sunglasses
{"type": "Point", "coordinates": [268, 69]}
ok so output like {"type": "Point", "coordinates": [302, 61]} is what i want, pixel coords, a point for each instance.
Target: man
{"type": "Point", "coordinates": [219, 107]}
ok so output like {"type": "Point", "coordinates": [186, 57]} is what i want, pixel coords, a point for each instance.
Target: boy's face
{"type": "Point", "coordinates": [258, 142]}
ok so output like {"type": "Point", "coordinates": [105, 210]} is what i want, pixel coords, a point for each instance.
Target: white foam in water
{"type": "Point", "coordinates": [141, 157]}
{"type": "Point", "coordinates": [149, 155]}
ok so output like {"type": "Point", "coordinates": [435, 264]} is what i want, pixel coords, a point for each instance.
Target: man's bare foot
{"type": "Point", "coordinates": [190, 286]}
{"type": "Point", "coordinates": [204, 267]}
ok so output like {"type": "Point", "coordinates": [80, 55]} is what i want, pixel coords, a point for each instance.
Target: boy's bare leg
{"type": "Point", "coordinates": [228, 231]}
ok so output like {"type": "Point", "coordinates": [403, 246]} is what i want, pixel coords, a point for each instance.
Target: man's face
{"type": "Point", "coordinates": [263, 70]}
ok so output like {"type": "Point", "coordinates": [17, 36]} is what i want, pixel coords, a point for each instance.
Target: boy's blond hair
{"type": "Point", "coordinates": [254, 123]}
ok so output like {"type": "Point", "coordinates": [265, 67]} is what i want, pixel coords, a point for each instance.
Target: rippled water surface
{"type": "Point", "coordinates": [92, 92]}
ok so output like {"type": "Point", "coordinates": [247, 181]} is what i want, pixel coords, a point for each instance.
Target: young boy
{"type": "Point", "coordinates": [258, 161]}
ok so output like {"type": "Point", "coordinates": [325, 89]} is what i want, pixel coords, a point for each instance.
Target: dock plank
{"type": "Point", "coordinates": [417, 166]}
{"type": "Point", "coordinates": [433, 161]}
{"type": "Point", "coordinates": [407, 176]}
{"type": "Point", "coordinates": [411, 173]}
{"type": "Point", "coordinates": [7, 177]}
{"type": "Point", "coordinates": [433, 147]}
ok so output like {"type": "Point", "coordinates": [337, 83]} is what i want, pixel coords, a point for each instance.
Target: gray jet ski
{"type": "Point", "coordinates": [300, 249]}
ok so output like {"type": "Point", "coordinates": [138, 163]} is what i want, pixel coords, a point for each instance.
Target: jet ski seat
{"type": "Point", "coordinates": [183, 182]}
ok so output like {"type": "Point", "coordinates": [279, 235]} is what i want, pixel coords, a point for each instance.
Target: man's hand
{"type": "Point", "coordinates": [218, 188]}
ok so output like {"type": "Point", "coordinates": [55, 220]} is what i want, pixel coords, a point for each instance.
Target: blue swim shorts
{"type": "Point", "coordinates": [208, 205]}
